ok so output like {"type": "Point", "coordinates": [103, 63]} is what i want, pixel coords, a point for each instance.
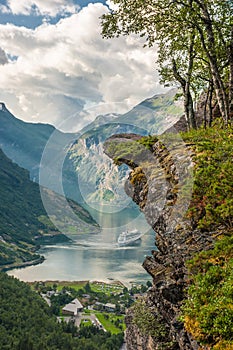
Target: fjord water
{"type": "Point", "coordinates": [96, 256]}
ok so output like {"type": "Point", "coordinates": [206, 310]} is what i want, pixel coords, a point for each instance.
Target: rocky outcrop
{"type": "Point", "coordinates": [161, 184]}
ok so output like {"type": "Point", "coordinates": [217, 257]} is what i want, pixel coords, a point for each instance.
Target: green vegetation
{"type": "Point", "coordinates": [150, 323]}
{"type": "Point", "coordinates": [150, 114]}
{"type": "Point", "coordinates": [85, 323]}
{"type": "Point", "coordinates": [103, 292]}
{"type": "Point", "coordinates": [84, 286]}
{"type": "Point", "coordinates": [24, 223]}
{"type": "Point", "coordinates": [21, 207]}
{"type": "Point", "coordinates": [94, 296]}
{"type": "Point", "coordinates": [148, 141]}
{"type": "Point", "coordinates": [130, 152]}
{"type": "Point", "coordinates": [208, 310]}
{"type": "Point", "coordinates": [93, 339]}
{"type": "Point", "coordinates": [212, 202]}
{"type": "Point", "coordinates": [27, 324]}
{"type": "Point", "coordinates": [112, 323]}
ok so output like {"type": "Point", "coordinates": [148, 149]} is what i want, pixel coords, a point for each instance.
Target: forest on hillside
{"type": "Point", "coordinates": [27, 323]}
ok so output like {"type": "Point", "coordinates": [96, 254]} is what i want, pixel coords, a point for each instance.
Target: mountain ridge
{"type": "Point", "coordinates": [25, 143]}
{"type": "Point", "coordinates": [24, 223]}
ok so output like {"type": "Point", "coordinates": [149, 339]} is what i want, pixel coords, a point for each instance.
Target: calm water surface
{"type": "Point", "coordinates": [96, 256]}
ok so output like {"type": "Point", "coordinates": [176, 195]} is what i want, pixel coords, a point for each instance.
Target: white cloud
{"type": "Point", "coordinates": [63, 68]}
{"type": "Point", "coordinates": [41, 7]}
{"type": "Point", "coordinates": [111, 5]}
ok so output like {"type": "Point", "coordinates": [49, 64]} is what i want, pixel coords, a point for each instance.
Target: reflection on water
{"type": "Point", "coordinates": [96, 256]}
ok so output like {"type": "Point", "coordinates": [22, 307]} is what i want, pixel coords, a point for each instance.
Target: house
{"type": "Point", "coordinates": [50, 293]}
{"type": "Point", "coordinates": [73, 308]}
{"type": "Point", "coordinates": [98, 306]}
{"type": "Point", "coordinates": [110, 307]}
{"type": "Point", "coordinates": [86, 296]}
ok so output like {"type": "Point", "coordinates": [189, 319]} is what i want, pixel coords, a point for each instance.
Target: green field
{"type": "Point", "coordinates": [97, 287]}
{"type": "Point", "coordinates": [108, 323]}
{"type": "Point", "coordinates": [60, 284]}
{"type": "Point", "coordinates": [85, 323]}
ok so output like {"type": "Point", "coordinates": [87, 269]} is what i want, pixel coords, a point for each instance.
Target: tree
{"type": "Point", "coordinates": [187, 32]}
{"type": "Point", "coordinates": [87, 287]}
{"type": "Point", "coordinates": [176, 61]}
{"type": "Point", "coordinates": [25, 343]}
{"type": "Point", "coordinates": [213, 20]}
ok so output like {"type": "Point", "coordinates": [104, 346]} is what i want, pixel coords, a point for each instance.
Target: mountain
{"type": "Point", "coordinates": [100, 180]}
{"type": "Point", "coordinates": [24, 143]}
{"type": "Point", "coordinates": [74, 165]}
{"type": "Point", "coordinates": [24, 223]}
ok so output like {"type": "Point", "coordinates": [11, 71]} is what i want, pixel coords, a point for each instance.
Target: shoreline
{"type": "Point", "coordinates": [21, 265]}
{"type": "Point", "coordinates": [46, 240]}
{"type": "Point", "coordinates": [80, 282]}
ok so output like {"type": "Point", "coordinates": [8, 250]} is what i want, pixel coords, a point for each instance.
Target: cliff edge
{"type": "Point", "coordinates": [161, 183]}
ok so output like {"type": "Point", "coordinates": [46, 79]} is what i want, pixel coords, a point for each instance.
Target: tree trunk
{"type": "Point", "coordinates": [186, 108]}
{"type": "Point", "coordinates": [231, 76]}
{"type": "Point", "coordinates": [191, 113]}
{"type": "Point", "coordinates": [205, 107]}
{"type": "Point", "coordinates": [220, 93]}
{"type": "Point", "coordinates": [209, 47]}
{"type": "Point", "coordinates": [185, 84]}
{"type": "Point", "coordinates": [182, 82]}
{"type": "Point", "coordinates": [190, 110]}
{"type": "Point", "coordinates": [210, 99]}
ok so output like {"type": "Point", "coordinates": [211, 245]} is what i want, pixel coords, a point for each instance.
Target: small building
{"type": "Point", "coordinates": [110, 307]}
{"type": "Point", "coordinates": [50, 293]}
{"type": "Point", "coordinates": [98, 306]}
{"type": "Point", "coordinates": [86, 296]}
{"type": "Point", "coordinates": [73, 308]}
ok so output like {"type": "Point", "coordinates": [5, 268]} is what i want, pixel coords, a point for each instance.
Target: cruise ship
{"type": "Point", "coordinates": [129, 237]}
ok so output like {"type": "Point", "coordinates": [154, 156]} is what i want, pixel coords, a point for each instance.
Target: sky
{"type": "Point", "coordinates": [56, 68]}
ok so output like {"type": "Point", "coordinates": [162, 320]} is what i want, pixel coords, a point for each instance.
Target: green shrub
{"type": "Point", "coordinates": [212, 202]}
{"type": "Point", "coordinates": [148, 320]}
{"type": "Point", "coordinates": [208, 310]}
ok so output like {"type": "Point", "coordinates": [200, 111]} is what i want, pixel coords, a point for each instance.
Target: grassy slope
{"type": "Point", "coordinates": [23, 216]}
{"type": "Point", "coordinates": [21, 206]}
{"type": "Point", "coordinates": [208, 311]}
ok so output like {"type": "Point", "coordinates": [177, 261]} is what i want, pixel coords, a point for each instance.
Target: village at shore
{"type": "Point", "coordinates": [85, 303]}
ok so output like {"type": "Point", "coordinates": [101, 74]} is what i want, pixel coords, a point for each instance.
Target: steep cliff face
{"type": "Point", "coordinates": [99, 179]}
{"type": "Point", "coordinates": [161, 184]}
